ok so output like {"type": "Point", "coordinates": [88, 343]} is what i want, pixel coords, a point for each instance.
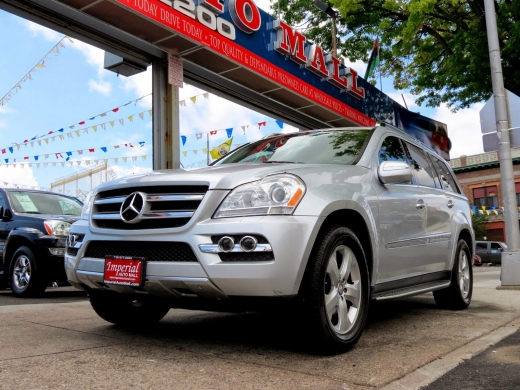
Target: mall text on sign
{"type": "Point", "coordinates": [175, 77]}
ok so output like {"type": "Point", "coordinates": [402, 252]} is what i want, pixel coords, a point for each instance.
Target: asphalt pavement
{"type": "Point", "coordinates": [58, 341]}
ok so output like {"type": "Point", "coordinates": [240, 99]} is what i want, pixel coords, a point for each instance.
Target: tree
{"type": "Point", "coordinates": [435, 48]}
{"type": "Point", "coordinates": [479, 223]}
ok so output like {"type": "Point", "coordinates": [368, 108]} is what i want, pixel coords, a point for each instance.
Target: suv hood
{"type": "Point", "coordinates": [221, 177]}
{"type": "Point", "coordinates": [66, 218]}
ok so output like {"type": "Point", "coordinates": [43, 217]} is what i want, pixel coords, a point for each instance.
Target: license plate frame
{"type": "Point", "coordinates": [124, 270]}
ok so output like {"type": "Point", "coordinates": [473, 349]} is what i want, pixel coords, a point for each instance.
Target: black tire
{"type": "Point", "coordinates": [26, 278]}
{"type": "Point", "coordinates": [458, 295]}
{"type": "Point", "coordinates": [126, 312]}
{"type": "Point", "coordinates": [332, 332]}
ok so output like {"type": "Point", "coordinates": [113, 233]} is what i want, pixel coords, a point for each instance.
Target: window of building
{"type": "Point", "coordinates": [517, 190]}
{"type": "Point", "coordinates": [486, 196]}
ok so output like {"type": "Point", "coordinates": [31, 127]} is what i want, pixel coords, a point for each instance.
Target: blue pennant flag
{"type": "Point", "coordinates": [280, 124]}
{"type": "Point", "coordinates": [229, 132]}
{"type": "Point", "coordinates": [60, 130]}
{"type": "Point", "coordinates": [36, 158]}
{"type": "Point", "coordinates": [6, 160]}
{"type": "Point", "coordinates": [104, 149]}
{"type": "Point", "coordinates": [33, 138]}
{"type": "Point", "coordinates": [68, 156]}
{"type": "Point", "coordinates": [141, 143]}
{"type": "Point", "coordinates": [183, 138]}
{"type": "Point", "coordinates": [11, 149]}
{"type": "Point", "coordinates": [91, 119]}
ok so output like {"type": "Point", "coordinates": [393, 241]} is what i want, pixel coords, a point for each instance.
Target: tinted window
{"type": "Point", "coordinates": [44, 203]}
{"type": "Point", "coordinates": [2, 201]}
{"type": "Point", "coordinates": [313, 147]}
{"type": "Point", "coordinates": [423, 171]}
{"type": "Point", "coordinates": [445, 177]}
{"type": "Point", "coordinates": [391, 150]}
{"type": "Point", "coordinates": [481, 246]}
{"type": "Point", "coordinates": [494, 245]}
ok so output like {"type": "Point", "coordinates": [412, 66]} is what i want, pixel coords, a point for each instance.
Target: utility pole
{"type": "Point", "coordinates": [510, 270]}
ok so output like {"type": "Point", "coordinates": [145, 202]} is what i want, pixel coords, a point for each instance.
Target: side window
{"type": "Point", "coordinates": [495, 246]}
{"type": "Point", "coordinates": [423, 171]}
{"type": "Point", "coordinates": [481, 246]}
{"type": "Point", "coordinates": [2, 202]}
{"type": "Point", "coordinates": [445, 177]}
{"type": "Point", "coordinates": [391, 150]}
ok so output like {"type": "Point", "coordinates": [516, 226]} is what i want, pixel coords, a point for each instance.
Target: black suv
{"type": "Point", "coordinates": [33, 231]}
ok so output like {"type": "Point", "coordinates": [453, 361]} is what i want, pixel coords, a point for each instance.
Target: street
{"type": "Point", "coordinates": [58, 340]}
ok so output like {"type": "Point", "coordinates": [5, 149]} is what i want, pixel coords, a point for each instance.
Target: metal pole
{"type": "Point", "coordinates": [510, 271]}
{"type": "Point", "coordinates": [334, 49]}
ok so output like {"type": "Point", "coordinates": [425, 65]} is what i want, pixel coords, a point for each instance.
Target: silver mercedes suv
{"type": "Point", "coordinates": [323, 221]}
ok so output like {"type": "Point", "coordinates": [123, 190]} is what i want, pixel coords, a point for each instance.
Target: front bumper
{"type": "Point", "coordinates": [290, 237]}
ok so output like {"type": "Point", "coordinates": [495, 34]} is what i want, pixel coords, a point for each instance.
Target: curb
{"type": "Point", "coordinates": [432, 371]}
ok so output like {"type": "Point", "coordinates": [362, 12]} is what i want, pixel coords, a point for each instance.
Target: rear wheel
{"type": "Point", "coordinates": [458, 295]}
{"type": "Point", "coordinates": [336, 290]}
{"type": "Point", "coordinates": [26, 279]}
{"type": "Point", "coordinates": [127, 312]}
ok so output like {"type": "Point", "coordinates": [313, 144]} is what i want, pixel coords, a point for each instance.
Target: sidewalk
{"type": "Point", "coordinates": [407, 344]}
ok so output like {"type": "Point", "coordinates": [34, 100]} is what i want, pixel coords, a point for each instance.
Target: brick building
{"type": "Point", "coordinates": [479, 176]}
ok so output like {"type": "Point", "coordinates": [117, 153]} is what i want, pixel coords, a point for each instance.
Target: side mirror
{"type": "Point", "coordinates": [6, 214]}
{"type": "Point", "coordinates": [394, 172]}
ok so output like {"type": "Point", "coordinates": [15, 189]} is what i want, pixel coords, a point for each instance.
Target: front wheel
{"type": "Point", "coordinates": [127, 312]}
{"type": "Point", "coordinates": [26, 278]}
{"type": "Point", "coordinates": [336, 290]}
{"type": "Point", "coordinates": [458, 295]}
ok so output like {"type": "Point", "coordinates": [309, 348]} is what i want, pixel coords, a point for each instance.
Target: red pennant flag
{"type": "Point", "coordinates": [131, 145]}
{"type": "Point", "coordinates": [81, 123]}
{"type": "Point", "coordinates": [115, 110]}
{"type": "Point", "coordinates": [261, 124]}
{"type": "Point", "coordinates": [213, 132]}
{"type": "Point", "coordinates": [91, 150]}
{"type": "Point", "coordinates": [58, 155]}
{"type": "Point", "coordinates": [26, 158]}
{"type": "Point", "coordinates": [25, 141]}
{"type": "Point", "coordinates": [3, 151]}
{"type": "Point", "coordinates": [50, 132]}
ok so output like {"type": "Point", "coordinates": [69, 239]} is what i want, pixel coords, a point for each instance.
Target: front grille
{"type": "Point", "coordinates": [247, 256]}
{"type": "Point", "coordinates": [150, 250]}
{"type": "Point", "coordinates": [166, 207]}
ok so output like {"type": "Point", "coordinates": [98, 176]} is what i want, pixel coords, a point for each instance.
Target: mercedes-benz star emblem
{"type": "Point", "coordinates": [133, 207]}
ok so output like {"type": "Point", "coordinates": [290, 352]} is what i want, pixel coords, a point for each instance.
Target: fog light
{"type": "Point", "coordinates": [226, 244]}
{"type": "Point", "coordinates": [57, 251]}
{"type": "Point", "coordinates": [248, 243]}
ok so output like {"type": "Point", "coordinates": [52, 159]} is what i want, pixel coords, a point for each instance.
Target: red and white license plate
{"type": "Point", "coordinates": [126, 271]}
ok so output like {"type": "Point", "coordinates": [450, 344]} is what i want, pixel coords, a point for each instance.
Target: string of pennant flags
{"type": "Point", "coordinates": [61, 135]}
{"type": "Point", "coordinates": [41, 64]}
{"type": "Point", "coordinates": [70, 163]}
{"type": "Point", "coordinates": [205, 150]}
{"type": "Point", "coordinates": [84, 122]}
{"type": "Point", "coordinates": [67, 155]}
{"type": "Point", "coordinates": [17, 185]}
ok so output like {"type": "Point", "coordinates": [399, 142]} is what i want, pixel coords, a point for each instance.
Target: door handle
{"type": "Point", "coordinates": [420, 204]}
{"type": "Point", "coordinates": [450, 204]}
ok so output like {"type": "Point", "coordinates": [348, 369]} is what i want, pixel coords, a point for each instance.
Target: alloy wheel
{"type": "Point", "coordinates": [22, 272]}
{"type": "Point", "coordinates": [464, 274]}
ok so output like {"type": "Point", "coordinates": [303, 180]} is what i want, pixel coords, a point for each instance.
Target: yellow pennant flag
{"type": "Point", "coordinates": [131, 118]}
{"type": "Point", "coordinates": [94, 128]}
{"type": "Point", "coordinates": [143, 158]}
{"type": "Point", "coordinates": [46, 140]}
{"type": "Point", "coordinates": [193, 99]}
{"type": "Point", "coordinates": [124, 159]}
{"type": "Point", "coordinates": [77, 132]}
{"type": "Point", "coordinates": [112, 123]}
{"type": "Point", "coordinates": [150, 112]}
{"type": "Point", "coordinates": [184, 152]}
{"type": "Point", "coordinates": [222, 149]}
{"type": "Point", "coordinates": [62, 136]}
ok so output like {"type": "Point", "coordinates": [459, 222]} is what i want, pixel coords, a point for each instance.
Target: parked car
{"type": "Point", "coordinates": [490, 251]}
{"type": "Point", "coordinates": [477, 260]}
{"type": "Point", "coordinates": [33, 229]}
{"type": "Point", "coordinates": [323, 221]}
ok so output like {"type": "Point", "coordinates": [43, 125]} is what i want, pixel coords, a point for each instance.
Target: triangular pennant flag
{"type": "Point", "coordinates": [141, 143]}
{"type": "Point", "coordinates": [131, 118]}
{"type": "Point", "coordinates": [229, 132]}
{"type": "Point", "coordinates": [87, 162]}
{"type": "Point", "coordinates": [69, 135]}
{"type": "Point", "coordinates": [32, 143]}
{"type": "Point", "coordinates": [80, 152]}
{"type": "Point", "coordinates": [150, 112]}
{"type": "Point", "coordinates": [115, 160]}
{"type": "Point", "coordinates": [78, 162]}
{"type": "Point", "coordinates": [46, 140]}
{"type": "Point", "coordinates": [62, 164]}
{"type": "Point", "coordinates": [213, 132]}
{"type": "Point", "coordinates": [115, 110]}
{"type": "Point", "coordinates": [61, 136]}
{"type": "Point", "coordinates": [94, 128]}
{"type": "Point", "coordinates": [205, 94]}
{"type": "Point", "coordinates": [111, 123]}
{"type": "Point", "coordinates": [104, 114]}
{"type": "Point", "coordinates": [244, 129]}
{"type": "Point", "coordinates": [193, 99]}
{"type": "Point", "coordinates": [122, 121]}
{"type": "Point", "coordinates": [143, 158]}
{"type": "Point", "coordinates": [261, 124]}
{"type": "Point", "coordinates": [199, 135]}
{"type": "Point", "coordinates": [124, 159]}
{"type": "Point", "coordinates": [205, 150]}
{"type": "Point", "coordinates": [46, 156]}
{"type": "Point", "coordinates": [195, 151]}
{"type": "Point", "coordinates": [183, 138]}
{"type": "Point", "coordinates": [103, 126]}
{"type": "Point", "coordinates": [105, 160]}
{"type": "Point", "coordinates": [77, 132]}
{"type": "Point", "coordinates": [116, 147]}
{"type": "Point", "coordinates": [184, 152]}
{"type": "Point", "coordinates": [141, 115]}
{"type": "Point", "coordinates": [279, 123]}
{"type": "Point", "coordinates": [104, 149]}
{"type": "Point", "coordinates": [183, 103]}
{"type": "Point", "coordinates": [134, 158]}
{"type": "Point", "coordinates": [91, 150]}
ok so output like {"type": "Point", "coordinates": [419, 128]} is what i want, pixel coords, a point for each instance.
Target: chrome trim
{"type": "Point", "coordinates": [401, 277]}
{"type": "Point", "coordinates": [213, 248]}
{"type": "Point", "coordinates": [440, 237]}
{"type": "Point", "coordinates": [414, 290]}
{"type": "Point", "coordinates": [165, 198]}
{"type": "Point", "coordinates": [117, 199]}
{"type": "Point", "coordinates": [149, 215]}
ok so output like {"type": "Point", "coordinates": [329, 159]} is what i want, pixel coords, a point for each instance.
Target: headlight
{"type": "Point", "coordinates": [87, 205]}
{"type": "Point", "coordinates": [57, 228]}
{"type": "Point", "coordinates": [277, 194]}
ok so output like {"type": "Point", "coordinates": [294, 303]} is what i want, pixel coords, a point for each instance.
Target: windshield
{"type": "Point", "coordinates": [311, 147]}
{"type": "Point", "coordinates": [41, 203]}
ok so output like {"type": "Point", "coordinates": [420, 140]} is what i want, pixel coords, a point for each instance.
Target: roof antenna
{"type": "Point", "coordinates": [406, 105]}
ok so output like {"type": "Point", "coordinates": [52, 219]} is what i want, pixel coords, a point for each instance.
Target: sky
{"type": "Point", "coordinates": [72, 112]}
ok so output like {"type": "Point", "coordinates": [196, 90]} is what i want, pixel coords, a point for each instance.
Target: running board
{"type": "Point", "coordinates": [413, 290]}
